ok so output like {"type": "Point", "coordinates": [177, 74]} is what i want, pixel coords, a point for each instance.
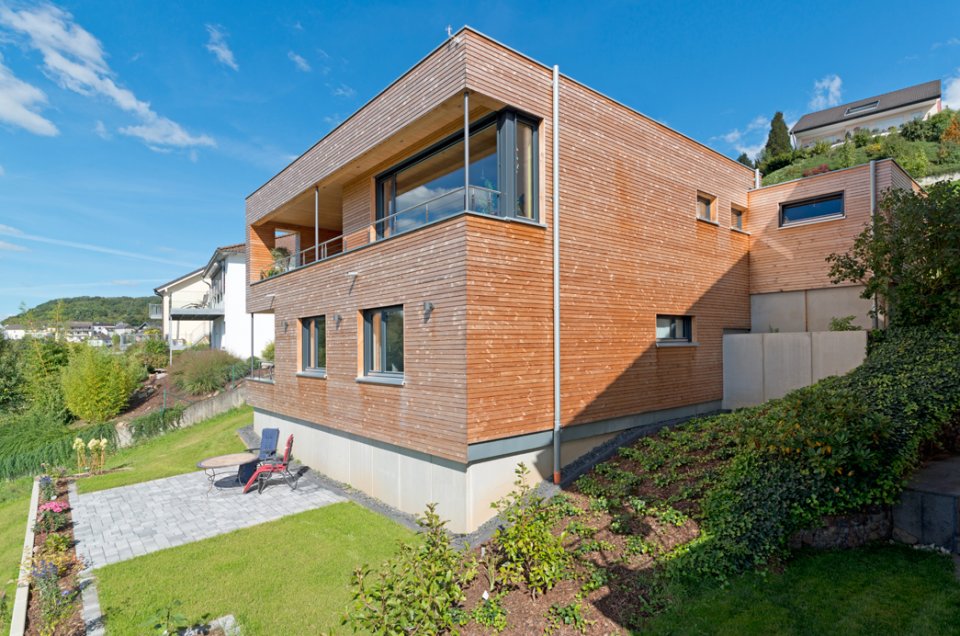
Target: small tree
{"type": "Point", "coordinates": [745, 160]}
{"type": "Point", "coordinates": [96, 384]}
{"type": "Point", "coordinates": [909, 257]}
{"type": "Point", "coordinates": [11, 376]}
{"type": "Point", "coordinates": [778, 141]}
{"type": "Point", "coordinates": [952, 133]}
{"type": "Point", "coordinates": [268, 352]}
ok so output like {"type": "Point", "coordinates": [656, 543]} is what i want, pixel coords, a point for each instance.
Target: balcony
{"type": "Point", "coordinates": [479, 200]}
{"type": "Point", "coordinates": [202, 309]}
{"type": "Point", "coordinates": [155, 311]}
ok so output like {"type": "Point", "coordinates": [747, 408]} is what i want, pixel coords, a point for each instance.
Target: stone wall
{"type": "Point", "coordinates": [846, 531]}
{"type": "Point", "coordinates": [194, 413]}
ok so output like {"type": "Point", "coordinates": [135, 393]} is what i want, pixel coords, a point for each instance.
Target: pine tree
{"type": "Point", "coordinates": [778, 141]}
{"type": "Point", "coordinates": [745, 160]}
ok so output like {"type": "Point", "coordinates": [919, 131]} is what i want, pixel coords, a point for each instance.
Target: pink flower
{"type": "Point", "coordinates": [54, 506]}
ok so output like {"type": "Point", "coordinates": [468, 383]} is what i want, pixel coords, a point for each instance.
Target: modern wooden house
{"type": "Point", "coordinates": [493, 263]}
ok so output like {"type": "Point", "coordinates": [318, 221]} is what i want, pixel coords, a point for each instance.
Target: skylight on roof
{"type": "Point", "coordinates": [862, 108]}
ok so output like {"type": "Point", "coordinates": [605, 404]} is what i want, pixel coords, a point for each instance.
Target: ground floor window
{"type": "Point", "coordinates": [313, 340]}
{"type": "Point", "coordinates": [383, 341]}
{"type": "Point", "coordinates": [674, 329]}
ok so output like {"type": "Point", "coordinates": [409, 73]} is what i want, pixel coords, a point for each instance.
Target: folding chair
{"type": "Point", "coordinates": [275, 466]}
{"type": "Point", "coordinates": [266, 450]}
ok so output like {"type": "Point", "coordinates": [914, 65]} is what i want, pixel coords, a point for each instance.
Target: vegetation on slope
{"type": "Point", "coordinates": [108, 309]}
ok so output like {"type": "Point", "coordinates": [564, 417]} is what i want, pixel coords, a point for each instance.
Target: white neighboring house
{"type": "Point", "coordinates": [181, 310]}
{"type": "Point", "coordinates": [211, 302]}
{"type": "Point", "coordinates": [873, 113]}
{"type": "Point", "coordinates": [14, 332]}
{"type": "Point", "coordinates": [226, 274]}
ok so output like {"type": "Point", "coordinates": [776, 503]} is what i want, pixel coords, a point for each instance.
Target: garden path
{"type": "Point", "coordinates": [122, 523]}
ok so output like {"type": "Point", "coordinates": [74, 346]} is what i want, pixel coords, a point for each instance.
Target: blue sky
{"type": "Point", "coordinates": [131, 132]}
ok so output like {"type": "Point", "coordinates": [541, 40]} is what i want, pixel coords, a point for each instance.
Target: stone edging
{"type": "Point", "coordinates": [89, 599]}
{"type": "Point", "coordinates": [18, 618]}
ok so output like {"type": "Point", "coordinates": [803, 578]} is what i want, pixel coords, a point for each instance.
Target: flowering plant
{"type": "Point", "coordinates": [54, 506]}
{"type": "Point", "coordinates": [80, 447]}
{"type": "Point", "coordinates": [47, 488]}
{"type": "Point", "coordinates": [52, 516]}
{"type": "Point", "coordinates": [98, 453]}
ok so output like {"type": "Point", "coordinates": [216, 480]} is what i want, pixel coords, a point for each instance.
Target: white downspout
{"type": "Point", "coordinates": [556, 274]}
{"type": "Point", "coordinates": [873, 217]}
{"type": "Point", "coordinates": [316, 224]}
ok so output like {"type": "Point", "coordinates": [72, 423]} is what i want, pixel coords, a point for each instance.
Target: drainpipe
{"type": "Point", "coordinates": [756, 178]}
{"type": "Point", "coordinates": [316, 223]}
{"type": "Point", "coordinates": [556, 274]}
{"type": "Point", "coordinates": [466, 150]}
{"type": "Point", "coordinates": [873, 217]}
{"type": "Point", "coordinates": [251, 344]}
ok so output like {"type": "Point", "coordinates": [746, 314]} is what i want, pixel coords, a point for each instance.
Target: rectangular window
{"type": "Point", "coordinates": [736, 217]}
{"type": "Point", "coordinates": [829, 206]}
{"type": "Point", "coordinates": [862, 108]}
{"type": "Point", "coordinates": [383, 342]}
{"type": "Point", "coordinates": [705, 207]}
{"type": "Point", "coordinates": [313, 342]}
{"type": "Point", "coordinates": [674, 329]}
{"type": "Point", "coordinates": [430, 186]}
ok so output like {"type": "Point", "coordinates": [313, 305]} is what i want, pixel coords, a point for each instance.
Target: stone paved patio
{"type": "Point", "coordinates": [122, 523]}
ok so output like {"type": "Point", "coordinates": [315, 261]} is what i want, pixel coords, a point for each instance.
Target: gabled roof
{"type": "Point", "coordinates": [927, 91]}
{"type": "Point", "coordinates": [237, 248]}
{"type": "Point", "coordinates": [194, 273]}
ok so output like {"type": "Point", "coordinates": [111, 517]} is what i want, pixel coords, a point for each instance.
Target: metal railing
{"type": "Point", "coordinates": [478, 199]}
{"type": "Point", "coordinates": [155, 311]}
{"type": "Point", "coordinates": [261, 371]}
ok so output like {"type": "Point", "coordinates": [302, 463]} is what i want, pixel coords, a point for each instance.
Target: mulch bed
{"type": "Point", "coordinates": [72, 625]}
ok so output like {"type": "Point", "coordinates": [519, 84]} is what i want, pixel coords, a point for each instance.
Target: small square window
{"type": "Point", "coordinates": [674, 329]}
{"type": "Point", "coordinates": [705, 207]}
{"type": "Point", "coordinates": [383, 342]}
{"type": "Point", "coordinates": [313, 342]}
{"type": "Point", "coordinates": [736, 217]}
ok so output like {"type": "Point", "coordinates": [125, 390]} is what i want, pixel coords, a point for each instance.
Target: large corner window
{"type": "Point", "coordinates": [431, 186]}
{"type": "Point", "coordinates": [821, 208]}
{"type": "Point", "coordinates": [383, 343]}
{"type": "Point", "coordinates": [313, 342]}
{"type": "Point", "coordinates": [674, 329]}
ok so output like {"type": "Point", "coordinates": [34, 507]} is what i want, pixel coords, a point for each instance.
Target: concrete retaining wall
{"type": "Point", "coordinates": [196, 412]}
{"type": "Point", "coordinates": [763, 366]}
{"type": "Point", "coordinates": [808, 310]}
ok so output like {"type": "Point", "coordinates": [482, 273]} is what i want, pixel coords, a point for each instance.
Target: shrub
{"type": "Point", "coordinates": [199, 372]}
{"type": "Point", "coordinates": [153, 354]}
{"type": "Point", "coordinates": [862, 137]}
{"type": "Point", "coordinates": [96, 384]}
{"type": "Point", "coordinates": [268, 352]}
{"type": "Point", "coordinates": [846, 155]}
{"type": "Point", "coordinates": [843, 324]}
{"type": "Point", "coordinates": [952, 133]}
{"type": "Point", "coordinates": [822, 147]}
{"type": "Point", "coordinates": [816, 170]}
{"type": "Point", "coordinates": [529, 553]}
{"type": "Point", "coordinates": [915, 162]}
{"type": "Point", "coordinates": [930, 129]}
{"type": "Point", "coordinates": [420, 590]}
{"type": "Point", "coordinates": [842, 444]}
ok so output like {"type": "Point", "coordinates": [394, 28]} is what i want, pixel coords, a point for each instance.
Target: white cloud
{"type": "Point", "coordinates": [6, 230]}
{"type": "Point", "coordinates": [75, 59]}
{"type": "Point", "coordinates": [951, 92]}
{"type": "Point", "coordinates": [19, 103]}
{"type": "Point", "coordinates": [826, 92]}
{"type": "Point", "coordinates": [218, 46]}
{"type": "Point", "coordinates": [343, 91]}
{"type": "Point", "coordinates": [101, 131]}
{"type": "Point", "coordinates": [741, 139]}
{"type": "Point", "coordinates": [950, 42]}
{"type": "Point", "coordinates": [10, 247]}
{"type": "Point", "coordinates": [300, 63]}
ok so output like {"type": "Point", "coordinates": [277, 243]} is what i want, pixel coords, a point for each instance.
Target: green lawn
{"type": "Point", "coordinates": [172, 453]}
{"type": "Point", "coordinates": [873, 591]}
{"type": "Point", "coordinates": [14, 506]}
{"type": "Point", "coordinates": [290, 576]}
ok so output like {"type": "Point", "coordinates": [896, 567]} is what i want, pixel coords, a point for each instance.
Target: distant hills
{"type": "Point", "coordinates": [108, 309]}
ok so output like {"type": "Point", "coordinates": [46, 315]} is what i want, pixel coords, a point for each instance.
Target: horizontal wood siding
{"type": "Point", "coordinates": [794, 258]}
{"type": "Point", "coordinates": [429, 413]}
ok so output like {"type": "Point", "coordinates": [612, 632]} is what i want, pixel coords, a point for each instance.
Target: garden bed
{"type": "Point", "coordinates": [54, 607]}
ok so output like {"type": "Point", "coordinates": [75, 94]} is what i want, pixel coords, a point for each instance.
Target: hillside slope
{"type": "Point", "coordinates": [109, 309]}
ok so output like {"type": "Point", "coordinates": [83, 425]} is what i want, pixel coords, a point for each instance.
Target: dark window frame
{"type": "Point", "coordinates": [841, 195]}
{"type": "Point", "coordinates": [506, 121]}
{"type": "Point", "coordinates": [308, 343]}
{"type": "Point", "coordinates": [687, 325]}
{"type": "Point", "coordinates": [368, 352]}
{"type": "Point", "coordinates": [738, 213]}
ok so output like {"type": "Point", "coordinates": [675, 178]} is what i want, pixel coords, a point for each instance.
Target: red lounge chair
{"type": "Point", "coordinates": [275, 466]}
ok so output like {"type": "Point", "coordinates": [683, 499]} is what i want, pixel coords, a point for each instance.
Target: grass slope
{"type": "Point", "coordinates": [14, 506]}
{"type": "Point", "coordinates": [290, 576]}
{"type": "Point", "coordinates": [173, 453]}
{"type": "Point", "coordinates": [878, 590]}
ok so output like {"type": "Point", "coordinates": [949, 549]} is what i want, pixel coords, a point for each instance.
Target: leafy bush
{"type": "Point", "coordinates": [97, 385]}
{"type": "Point", "coordinates": [908, 257]}
{"type": "Point", "coordinates": [528, 551]}
{"type": "Point", "coordinates": [12, 384]}
{"type": "Point", "coordinates": [838, 446]}
{"type": "Point", "coordinates": [816, 170]}
{"type": "Point", "coordinates": [420, 590]}
{"type": "Point", "coordinates": [931, 129]}
{"type": "Point", "coordinates": [821, 147]}
{"type": "Point", "coordinates": [843, 324]}
{"type": "Point", "coordinates": [268, 351]}
{"type": "Point", "coordinates": [862, 137]}
{"type": "Point", "coordinates": [199, 372]}
{"type": "Point", "coordinates": [155, 423]}
{"type": "Point", "coordinates": [152, 354]}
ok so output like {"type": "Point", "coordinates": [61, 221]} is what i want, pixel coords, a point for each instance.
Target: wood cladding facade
{"type": "Point", "coordinates": [480, 368]}
{"type": "Point", "coordinates": [793, 258]}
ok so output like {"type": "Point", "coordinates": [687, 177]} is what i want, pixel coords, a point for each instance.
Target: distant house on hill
{"type": "Point", "coordinates": [876, 113]}
{"type": "Point", "coordinates": [14, 332]}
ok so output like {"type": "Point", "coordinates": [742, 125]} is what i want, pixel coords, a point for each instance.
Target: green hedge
{"type": "Point", "coordinates": [838, 446]}
{"type": "Point", "coordinates": [153, 424]}
{"type": "Point", "coordinates": [31, 440]}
